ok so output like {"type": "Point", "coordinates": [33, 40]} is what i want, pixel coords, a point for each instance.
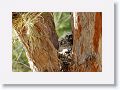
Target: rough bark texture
{"type": "Point", "coordinates": [87, 42]}
{"type": "Point", "coordinates": [37, 33]}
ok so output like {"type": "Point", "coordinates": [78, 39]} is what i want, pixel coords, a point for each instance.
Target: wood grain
{"type": "Point", "coordinates": [87, 42]}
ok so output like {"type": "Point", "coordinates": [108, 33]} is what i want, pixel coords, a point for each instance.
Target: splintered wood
{"type": "Point", "coordinates": [87, 42]}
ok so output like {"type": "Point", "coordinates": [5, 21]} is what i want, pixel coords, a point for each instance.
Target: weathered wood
{"type": "Point", "coordinates": [87, 42]}
{"type": "Point", "coordinates": [37, 33]}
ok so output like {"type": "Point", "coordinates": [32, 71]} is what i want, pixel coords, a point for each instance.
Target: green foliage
{"type": "Point", "coordinates": [62, 22]}
{"type": "Point", "coordinates": [19, 59]}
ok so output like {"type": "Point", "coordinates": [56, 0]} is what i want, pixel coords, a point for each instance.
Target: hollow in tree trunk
{"type": "Point", "coordinates": [38, 36]}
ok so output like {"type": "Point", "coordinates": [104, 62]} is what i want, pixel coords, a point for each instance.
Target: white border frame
{"type": "Point", "coordinates": [104, 77]}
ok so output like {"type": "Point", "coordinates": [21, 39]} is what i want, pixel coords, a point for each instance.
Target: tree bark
{"type": "Point", "coordinates": [37, 33]}
{"type": "Point", "coordinates": [87, 42]}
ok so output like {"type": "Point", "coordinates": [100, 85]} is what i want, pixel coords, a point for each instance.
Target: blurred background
{"type": "Point", "coordinates": [62, 23]}
{"type": "Point", "coordinates": [19, 60]}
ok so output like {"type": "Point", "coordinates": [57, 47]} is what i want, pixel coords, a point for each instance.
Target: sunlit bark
{"type": "Point", "coordinates": [37, 33]}
{"type": "Point", "coordinates": [87, 42]}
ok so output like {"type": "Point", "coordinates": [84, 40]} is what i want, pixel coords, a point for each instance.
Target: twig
{"type": "Point", "coordinates": [20, 55]}
{"type": "Point", "coordinates": [22, 64]}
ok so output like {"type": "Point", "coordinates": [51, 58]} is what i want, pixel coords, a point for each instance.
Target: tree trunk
{"type": "Point", "coordinates": [37, 33]}
{"type": "Point", "coordinates": [87, 42]}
